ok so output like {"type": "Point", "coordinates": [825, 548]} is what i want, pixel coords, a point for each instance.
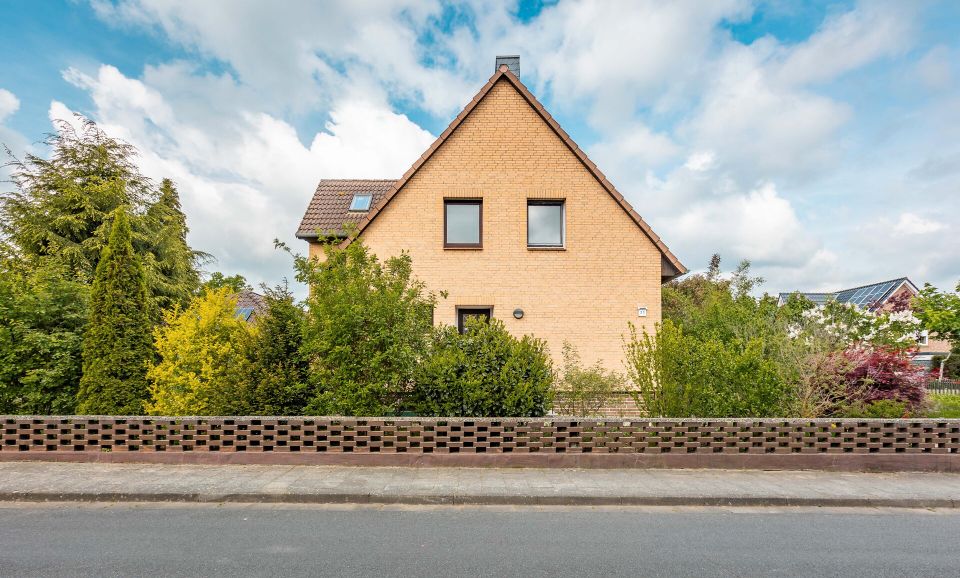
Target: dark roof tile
{"type": "Point", "coordinates": [329, 209]}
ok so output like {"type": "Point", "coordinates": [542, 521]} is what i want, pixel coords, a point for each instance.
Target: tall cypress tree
{"type": "Point", "coordinates": [171, 263]}
{"type": "Point", "coordinates": [117, 345]}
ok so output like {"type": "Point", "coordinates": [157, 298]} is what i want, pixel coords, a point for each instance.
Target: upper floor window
{"type": "Point", "coordinates": [463, 223]}
{"type": "Point", "coordinates": [361, 202]}
{"type": "Point", "coordinates": [545, 223]}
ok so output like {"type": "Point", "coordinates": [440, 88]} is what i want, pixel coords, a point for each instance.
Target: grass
{"type": "Point", "coordinates": [945, 405]}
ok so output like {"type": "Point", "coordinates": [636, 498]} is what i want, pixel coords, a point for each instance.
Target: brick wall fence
{"type": "Point", "coordinates": [842, 444]}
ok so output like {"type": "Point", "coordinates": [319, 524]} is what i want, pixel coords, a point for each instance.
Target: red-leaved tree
{"type": "Point", "coordinates": [884, 374]}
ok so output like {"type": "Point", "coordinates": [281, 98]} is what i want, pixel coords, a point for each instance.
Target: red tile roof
{"type": "Point", "coordinates": [329, 209]}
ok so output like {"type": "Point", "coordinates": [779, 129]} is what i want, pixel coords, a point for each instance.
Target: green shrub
{"type": "Point", "coordinates": [483, 372]}
{"type": "Point", "coordinates": [946, 405]}
{"type": "Point", "coordinates": [43, 315]}
{"type": "Point", "coordinates": [677, 375]}
{"type": "Point", "coordinates": [277, 380]}
{"type": "Point", "coordinates": [584, 391]}
{"type": "Point", "coordinates": [366, 326]}
{"type": "Point", "coordinates": [882, 408]}
{"type": "Point", "coordinates": [204, 362]}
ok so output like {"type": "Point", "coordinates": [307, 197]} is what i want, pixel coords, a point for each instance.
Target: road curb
{"type": "Point", "coordinates": [482, 500]}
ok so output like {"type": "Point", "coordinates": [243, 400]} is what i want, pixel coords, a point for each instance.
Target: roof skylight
{"type": "Point", "coordinates": [360, 202]}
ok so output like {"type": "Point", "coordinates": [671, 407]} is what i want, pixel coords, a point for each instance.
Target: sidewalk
{"type": "Point", "coordinates": [43, 481]}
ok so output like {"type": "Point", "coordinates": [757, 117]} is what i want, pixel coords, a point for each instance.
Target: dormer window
{"type": "Point", "coordinates": [360, 202]}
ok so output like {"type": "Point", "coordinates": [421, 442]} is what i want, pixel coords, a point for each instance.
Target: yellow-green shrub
{"type": "Point", "coordinates": [203, 359]}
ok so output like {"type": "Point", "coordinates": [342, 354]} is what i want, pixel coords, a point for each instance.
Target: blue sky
{"type": "Point", "coordinates": [820, 140]}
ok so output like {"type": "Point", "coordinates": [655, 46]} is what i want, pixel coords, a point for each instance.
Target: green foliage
{"type": "Point", "coordinates": [217, 280]}
{"type": "Point", "coordinates": [43, 314]}
{"type": "Point", "coordinates": [169, 260]}
{"type": "Point", "coordinates": [117, 345]}
{"type": "Point", "coordinates": [945, 405]}
{"type": "Point", "coordinates": [939, 312]}
{"type": "Point", "coordinates": [584, 391]}
{"type": "Point", "coordinates": [681, 375]}
{"type": "Point", "coordinates": [719, 351]}
{"type": "Point", "coordinates": [483, 372]}
{"type": "Point", "coordinates": [61, 211]}
{"type": "Point", "coordinates": [279, 371]}
{"type": "Point", "coordinates": [882, 408]}
{"type": "Point", "coordinates": [366, 325]}
{"type": "Point", "coordinates": [204, 361]}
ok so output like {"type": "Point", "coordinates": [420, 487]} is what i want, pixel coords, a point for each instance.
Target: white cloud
{"type": "Point", "coordinates": [760, 129]}
{"type": "Point", "coordinates": [9, 104]}
{"type": "Point", "coordinates": [247, 181]}
{"type": "Point", "coordinates": [935, 69]}
{"type": "Point", "coordinates": [307, 54]}
{"type": "Point", "coordinates": [912, 224]}
{"type": "Point", "coordinates": [759, 225]}
{"type": "Point", "coordinates": [10, 138]}
{"type": "Point", "coordinates": [850, 40]}
{"type": "Point", "coordinates": [701, 161]}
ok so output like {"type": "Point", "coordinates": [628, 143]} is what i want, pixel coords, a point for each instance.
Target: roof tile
{"type": "Point", "coordinates": [329, 209]}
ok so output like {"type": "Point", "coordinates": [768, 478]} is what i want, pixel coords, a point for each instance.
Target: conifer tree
{"type": "Point", "coordinates": [117, 346]}
{"type": "Point", "coordinates": [61, 211]}
{"type": "Point", "coordinates": [171, 271]}
{"type": "Point", "coordinates": [279, 370]}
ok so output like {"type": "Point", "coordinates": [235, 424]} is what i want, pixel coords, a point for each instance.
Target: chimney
{"type": "Point", "coordinates": [512, 62]}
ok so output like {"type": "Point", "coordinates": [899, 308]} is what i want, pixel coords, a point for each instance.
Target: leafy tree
{"type": "Point", "coordinates": [483, 372]}
{"type": "Point", "coordinates": [61, 210]}
{"type": "Point", "coordinates": [279, 371]}
{"type": "Point", "coordinates": [939, 312]}
{"type": "Point", "coordinates": [583, 391]}
{"type": "Point", "coordinates": [366, 325]}
{"type": "Point", "coordinates": [677, 374]}
{"type": "Point", "coordinates": [117, 345]}
{"type": "Point", "coordinates": [217, 280]}
{"type": "Point", "coordinates": [883, 374]}
{"type": "Point", "coordinates": [204, 359]}
{"type": "Point", "coordinates": [43, 313]}
{"type": "Point", "coordinates": [718, 352]}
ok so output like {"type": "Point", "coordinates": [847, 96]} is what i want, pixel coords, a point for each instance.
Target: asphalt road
{"type": "Point", "coordinates": [236, 540]}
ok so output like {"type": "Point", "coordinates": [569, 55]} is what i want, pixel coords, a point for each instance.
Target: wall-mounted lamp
{"type": "Point", "coordinates": [518, 313]}
{"type": "Point", "coordinates": [641, 311]}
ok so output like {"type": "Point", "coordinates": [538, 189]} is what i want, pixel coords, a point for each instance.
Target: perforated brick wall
{"type": "Point", "coordinates": [37, 435]}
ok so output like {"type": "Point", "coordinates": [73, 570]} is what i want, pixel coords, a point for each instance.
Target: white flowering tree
{"type": "Point", "coordinates": [837, 325]}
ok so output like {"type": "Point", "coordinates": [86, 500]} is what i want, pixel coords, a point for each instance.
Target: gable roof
{"type": "Point", "coordinates": [250, 304]}
{"type": "Point", "coordinates": [866, 296]}
{"type": "Point", "coordinates": [670, 266]}
{"type": "Point", "coordinates": [329, 208]}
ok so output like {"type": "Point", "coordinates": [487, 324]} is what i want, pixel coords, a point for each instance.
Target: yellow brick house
{"type": "Point", "coordinates": [508, 216]}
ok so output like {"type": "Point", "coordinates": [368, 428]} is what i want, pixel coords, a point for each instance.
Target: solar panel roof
{"type": "Point", "coordinates": [867, 295]}
{"type": "Point", "coordinates": [245, 313]}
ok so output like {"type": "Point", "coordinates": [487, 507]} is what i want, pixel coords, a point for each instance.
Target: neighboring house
{"type": "Point", "coordinates": [250, 305]}
{"type": "Point", "coordinates": [507, 214]}
{"type": "Point", "coordinates": [877, 297]}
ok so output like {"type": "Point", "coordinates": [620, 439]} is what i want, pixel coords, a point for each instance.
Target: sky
{"type": "Point", "coordinates": [819, 140]}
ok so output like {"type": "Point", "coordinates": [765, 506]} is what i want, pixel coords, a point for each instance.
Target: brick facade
{"type": "Point", "coordinates": [505, 153]}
